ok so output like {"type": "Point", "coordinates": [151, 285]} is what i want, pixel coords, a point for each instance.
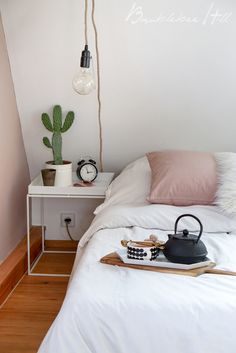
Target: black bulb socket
{"type": "Point", "coordinates": [85, 57]}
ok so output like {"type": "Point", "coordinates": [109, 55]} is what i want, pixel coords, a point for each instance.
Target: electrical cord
{"type": "Point", "coordinates": [98, 72]}
{"type": "Point", "coordinates": [99, 87]}
{"type": "Point", "coordinates": [67, 222]}
{"type": "Point", "coordinates": [85, 22]}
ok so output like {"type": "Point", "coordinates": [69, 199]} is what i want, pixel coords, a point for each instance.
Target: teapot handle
{"type": "Point", "coordinates": [190, 215]}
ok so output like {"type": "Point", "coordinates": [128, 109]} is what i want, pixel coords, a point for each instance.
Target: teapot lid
{"type": "Point", "coordinates": [185, 235]}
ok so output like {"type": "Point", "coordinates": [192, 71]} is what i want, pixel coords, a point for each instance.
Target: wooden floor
{"type": "Point", "coordinates": [55, 263]}
{"type": "Point", "coordinates": [31, 308]}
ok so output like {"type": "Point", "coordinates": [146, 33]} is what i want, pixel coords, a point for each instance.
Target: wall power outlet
{"type": "Point", "coordinates": [68, 215]}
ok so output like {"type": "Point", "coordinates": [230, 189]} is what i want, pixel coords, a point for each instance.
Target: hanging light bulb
{"type": "Point", "coordinates": [84, 82]}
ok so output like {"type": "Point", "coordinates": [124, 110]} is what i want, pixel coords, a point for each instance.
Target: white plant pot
{"type": "Point", "coordinates": [63, 173]}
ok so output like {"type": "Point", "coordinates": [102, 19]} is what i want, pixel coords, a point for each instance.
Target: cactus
{"type": "Point", "coordinates": [57, 128]}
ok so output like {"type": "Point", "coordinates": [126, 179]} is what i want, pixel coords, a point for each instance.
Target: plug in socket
{"type": "Point", "coordinates": [68, 215]}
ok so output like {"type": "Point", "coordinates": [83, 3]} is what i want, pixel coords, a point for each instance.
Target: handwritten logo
{"type": "Point", "coordinates": [213, 16]}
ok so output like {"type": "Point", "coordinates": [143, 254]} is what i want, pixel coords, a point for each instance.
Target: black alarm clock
{"type": "Point", "coordinates": [87, 170]}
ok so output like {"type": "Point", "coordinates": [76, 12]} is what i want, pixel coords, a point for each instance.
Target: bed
{"type": "Point", "coordinates": [118, 310]}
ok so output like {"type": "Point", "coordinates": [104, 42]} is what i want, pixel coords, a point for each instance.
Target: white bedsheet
{"type": "Point", "coordinates": [116, 310]}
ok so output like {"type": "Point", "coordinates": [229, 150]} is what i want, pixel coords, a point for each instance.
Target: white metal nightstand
{"type": "Point", "coordinates": [37, 190]}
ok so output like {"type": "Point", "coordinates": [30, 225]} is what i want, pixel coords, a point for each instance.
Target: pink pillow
{"type": "Point", "coordinates": [182, 178]}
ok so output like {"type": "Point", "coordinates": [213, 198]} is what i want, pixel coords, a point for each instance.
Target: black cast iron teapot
{"type": "Point", "coordinates": [183, 247]}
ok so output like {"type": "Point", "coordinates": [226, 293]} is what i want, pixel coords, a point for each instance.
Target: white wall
{"type": "Point", "coordinates": [14, 171]}
{"type": "Point", "coordinates": [168, 83]}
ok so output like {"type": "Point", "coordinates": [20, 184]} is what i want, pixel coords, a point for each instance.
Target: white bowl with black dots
{"type": "Point", "coordinates": [137, 252]}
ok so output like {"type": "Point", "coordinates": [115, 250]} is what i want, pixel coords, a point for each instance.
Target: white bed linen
{"type": "Point", "coordinates": [116, 310]}
{"type": "Point", "coordinates": [121, 191]}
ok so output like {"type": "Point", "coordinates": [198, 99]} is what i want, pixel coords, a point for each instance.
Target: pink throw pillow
{"type": "Point", "coordinates": [182, 178]}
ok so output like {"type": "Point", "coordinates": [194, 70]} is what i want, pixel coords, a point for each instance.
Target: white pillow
{"type": "Point", "coordinates": [226, 193]}
{"type": "Point", "coordinates": [132, 186]}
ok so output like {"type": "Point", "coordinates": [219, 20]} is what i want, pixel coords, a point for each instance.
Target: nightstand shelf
{"type": "Point", "coordinates": [37, 190]}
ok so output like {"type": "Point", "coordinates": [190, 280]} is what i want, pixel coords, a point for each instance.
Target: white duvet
{"type": "Point", "coordinates": [116, 310]}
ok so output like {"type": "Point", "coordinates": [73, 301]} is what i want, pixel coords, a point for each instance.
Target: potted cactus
{"type": "Point", "coordinates": [57, 127]}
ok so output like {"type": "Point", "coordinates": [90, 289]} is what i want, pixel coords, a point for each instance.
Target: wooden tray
{"type": "Point", "coordinates": [113, 259]}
